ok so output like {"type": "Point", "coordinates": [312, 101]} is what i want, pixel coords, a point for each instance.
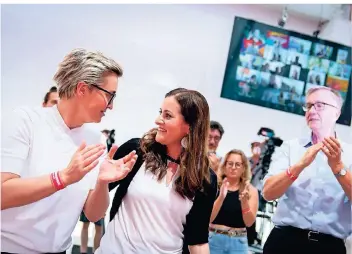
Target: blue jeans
{"type": "Point", "coordinates": [223, 244]}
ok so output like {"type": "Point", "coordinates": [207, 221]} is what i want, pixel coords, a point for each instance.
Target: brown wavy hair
{"type": "Point", "coordinates": [194, 163]}
{"type": "Point", "coordinates": [246, 175]}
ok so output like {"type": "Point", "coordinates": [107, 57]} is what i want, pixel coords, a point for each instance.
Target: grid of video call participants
{"type": "Point", "coordinates": [275, 69]}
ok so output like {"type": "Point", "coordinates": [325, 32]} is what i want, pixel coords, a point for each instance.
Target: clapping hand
{"type": "Point", "coordinates": [332, 150]}
{"type": "Point", "coordinates": [113, 170]}
{"type": "Point", "coordinates": [214, 161]}
{"type": "Point", "coordinates": [224, 188]}
{"type": "Point", "coordinates": [244, 194]}
{"type": "Point", "coordinates": [310, 155]}
{"type": "Point", "coordinates": [83, 160]}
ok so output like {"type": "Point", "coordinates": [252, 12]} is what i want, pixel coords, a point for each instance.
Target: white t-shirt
{"type": "Point", "coordinates": [37, 142]}
{"type": "Point", "coordinates": [150, 219]}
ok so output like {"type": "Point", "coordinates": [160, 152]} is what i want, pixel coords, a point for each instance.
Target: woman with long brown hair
{"type": "Point", "coordinates": [164, 204]}
{"type": "Point", "coordinates": [235, 207]}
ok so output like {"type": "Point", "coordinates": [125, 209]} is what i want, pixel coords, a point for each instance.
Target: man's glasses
{"type": "Point", "coordinates": [216, 138]}
{"type": "Point", "coordinates": [319, 106]}
{"type": "Point", "coordinates": [112, 95]}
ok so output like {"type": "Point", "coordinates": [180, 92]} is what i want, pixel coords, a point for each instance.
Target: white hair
{"type": "Point", "coordinates": [337, 95]}
{"type": "Point", "coordinates": [81, 65]}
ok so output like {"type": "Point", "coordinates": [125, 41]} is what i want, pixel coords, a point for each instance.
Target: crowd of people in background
{"type": "Point", "coordinates": [175, 192]}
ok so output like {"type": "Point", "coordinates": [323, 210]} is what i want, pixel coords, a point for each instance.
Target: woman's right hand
{"type": "Point", "coordinates": [224, 188]}
{"type": "Point", "coordinates": [82, 162]}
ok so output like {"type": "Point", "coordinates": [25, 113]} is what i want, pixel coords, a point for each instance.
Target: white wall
{"type": "Point", "coordinates": [160, 47]}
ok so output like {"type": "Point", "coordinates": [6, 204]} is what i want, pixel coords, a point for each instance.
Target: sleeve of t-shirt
{"type": "Point", "coordinates": [197, 220]}
{"type": "Point", "coordinates": [122, 151]}
{"type": "Point", "coordinates": [280, 160]}
{"type": "Point", "coordinates": [16, 134]}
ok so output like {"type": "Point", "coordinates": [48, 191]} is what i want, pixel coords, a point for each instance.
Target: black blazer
{"type": "Point", "coordinates": [196, 228]}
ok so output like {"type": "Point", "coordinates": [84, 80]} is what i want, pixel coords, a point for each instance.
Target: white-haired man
{"type": "Point", "coordinates": [52, 165]}
{"type": "Point", "coordinates": [311, 177]}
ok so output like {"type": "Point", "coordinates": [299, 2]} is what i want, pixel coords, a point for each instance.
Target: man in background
{"type": "Point", "coordinates": [215, 135]}
{"type": "Point", "coordinates": [311, 176]}
{"type": "Point", "coordinates": [51, 97]}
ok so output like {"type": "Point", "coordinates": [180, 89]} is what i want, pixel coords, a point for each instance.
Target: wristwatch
{"type": "Point", "coordinates": [342, 172]}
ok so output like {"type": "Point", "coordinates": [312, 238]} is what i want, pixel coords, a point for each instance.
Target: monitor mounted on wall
{"type": "Point", "coordinates": [273, 67]}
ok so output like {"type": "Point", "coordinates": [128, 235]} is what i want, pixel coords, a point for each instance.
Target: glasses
{"type": "Point", "coordinates": [216, 138]}
{"type": "Point", "coordinates": [231, 164]}
{"type": "Point", "coordinates": [319, 106]}
{"type": "Point", "coordinates": [112, 95]}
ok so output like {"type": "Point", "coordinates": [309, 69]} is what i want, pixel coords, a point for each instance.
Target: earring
{"type": "Point", "coordinates": [184, 142]}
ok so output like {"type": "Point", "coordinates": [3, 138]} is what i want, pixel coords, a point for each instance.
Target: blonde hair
{"type": "Point", "coordinates": [81, 65]}
{"type": "Point", "coordinates": [246, 175]}
{"type": "Point", "coordinates": [337, 96]}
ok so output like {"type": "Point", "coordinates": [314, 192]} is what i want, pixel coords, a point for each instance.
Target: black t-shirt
{"type": "Point", "coordinates": [230, 213]}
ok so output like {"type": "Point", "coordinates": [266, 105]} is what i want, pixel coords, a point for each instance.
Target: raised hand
{"type": "Point", "coordinates": [83, 161]}
{"type": "Point", "coordinates": [244, 194]}
{"type": "Point", "coordinates": [310, 155]}
{"type": "Point", "coordinates": [224, 188]}
{"type": "Point", "coordinates": [332, 150]}
{"type": "Point", "coordinates": [214, 161]}
{"type": "Point", "coordinates": [114, 170]}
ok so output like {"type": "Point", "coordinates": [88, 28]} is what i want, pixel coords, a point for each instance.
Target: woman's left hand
{"type": "Point", "coordinates": [113, 170]}
{"type": "Point", "coordinates": [244, 194]}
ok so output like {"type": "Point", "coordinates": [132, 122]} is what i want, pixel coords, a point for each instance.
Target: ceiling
{"type": "Point", "coordinates": [314, 11]}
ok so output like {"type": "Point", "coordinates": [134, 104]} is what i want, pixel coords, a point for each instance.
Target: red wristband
{"type": "Point", "coordinates": [246, 211]}
{"type": "Point", "coordinates": [290, 175]}
{"type": "Point", "coordinates": [56, 181]}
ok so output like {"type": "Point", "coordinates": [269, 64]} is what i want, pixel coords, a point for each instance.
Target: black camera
{"type": "Point", "coordinates": [111, 139]}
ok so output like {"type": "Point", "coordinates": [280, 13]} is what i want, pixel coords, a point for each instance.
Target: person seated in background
{"type": "Point", "coordinates": [215, 135]}
{"type": "Point", "coordinates": [311, 177]}
{"type": "Point", "coordinates": [51, 97]}
{"type": "Point", "coordinates": [235, 208]}
{"type": "Point", "coordinates": [164, 204]}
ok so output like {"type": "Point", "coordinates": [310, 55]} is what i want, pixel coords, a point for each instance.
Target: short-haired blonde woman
{"type": "Point", "coordinates": [235, 208]}
{"type": "Point", "coordinates": [51, 160]}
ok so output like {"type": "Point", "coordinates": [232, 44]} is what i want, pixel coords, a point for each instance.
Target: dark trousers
{"type": "Point", "coordinates": [290, 240]}
{"type": "Point", "coordinates": [251, 234]}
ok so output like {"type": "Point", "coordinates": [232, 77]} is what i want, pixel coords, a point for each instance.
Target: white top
{"type": "Point", "coordinates": [316, 199]}
{"type": "Point", "coordinates": [149, 220]}
{"type": "Point", "coordinates": [37, 142]}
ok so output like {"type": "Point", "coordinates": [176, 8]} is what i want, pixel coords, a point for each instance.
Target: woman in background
{"type": "Point", "coordinates": [165, 203]}
{"type": "Point", "coordinates": [235, 207]}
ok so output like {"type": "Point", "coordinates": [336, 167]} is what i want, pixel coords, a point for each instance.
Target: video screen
{"type": "Point", "coordinates": [274, 68]}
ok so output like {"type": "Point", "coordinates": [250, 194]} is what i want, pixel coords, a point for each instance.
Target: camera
{"type": "Point", "coordinates": [110, 140]}
{"type": "Point", "coordinates": [267, 150]}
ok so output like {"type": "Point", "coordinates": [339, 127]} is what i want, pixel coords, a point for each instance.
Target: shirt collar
{"type": "Point", "coordinates": [308, 142]}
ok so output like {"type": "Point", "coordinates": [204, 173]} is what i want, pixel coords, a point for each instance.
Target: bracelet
{"type": "Point", "coordinates": [290, 175]}
{"type": "Point", "coordinates": [246, 211]}
{"type": "Point", "coordinates": [56, 181]}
